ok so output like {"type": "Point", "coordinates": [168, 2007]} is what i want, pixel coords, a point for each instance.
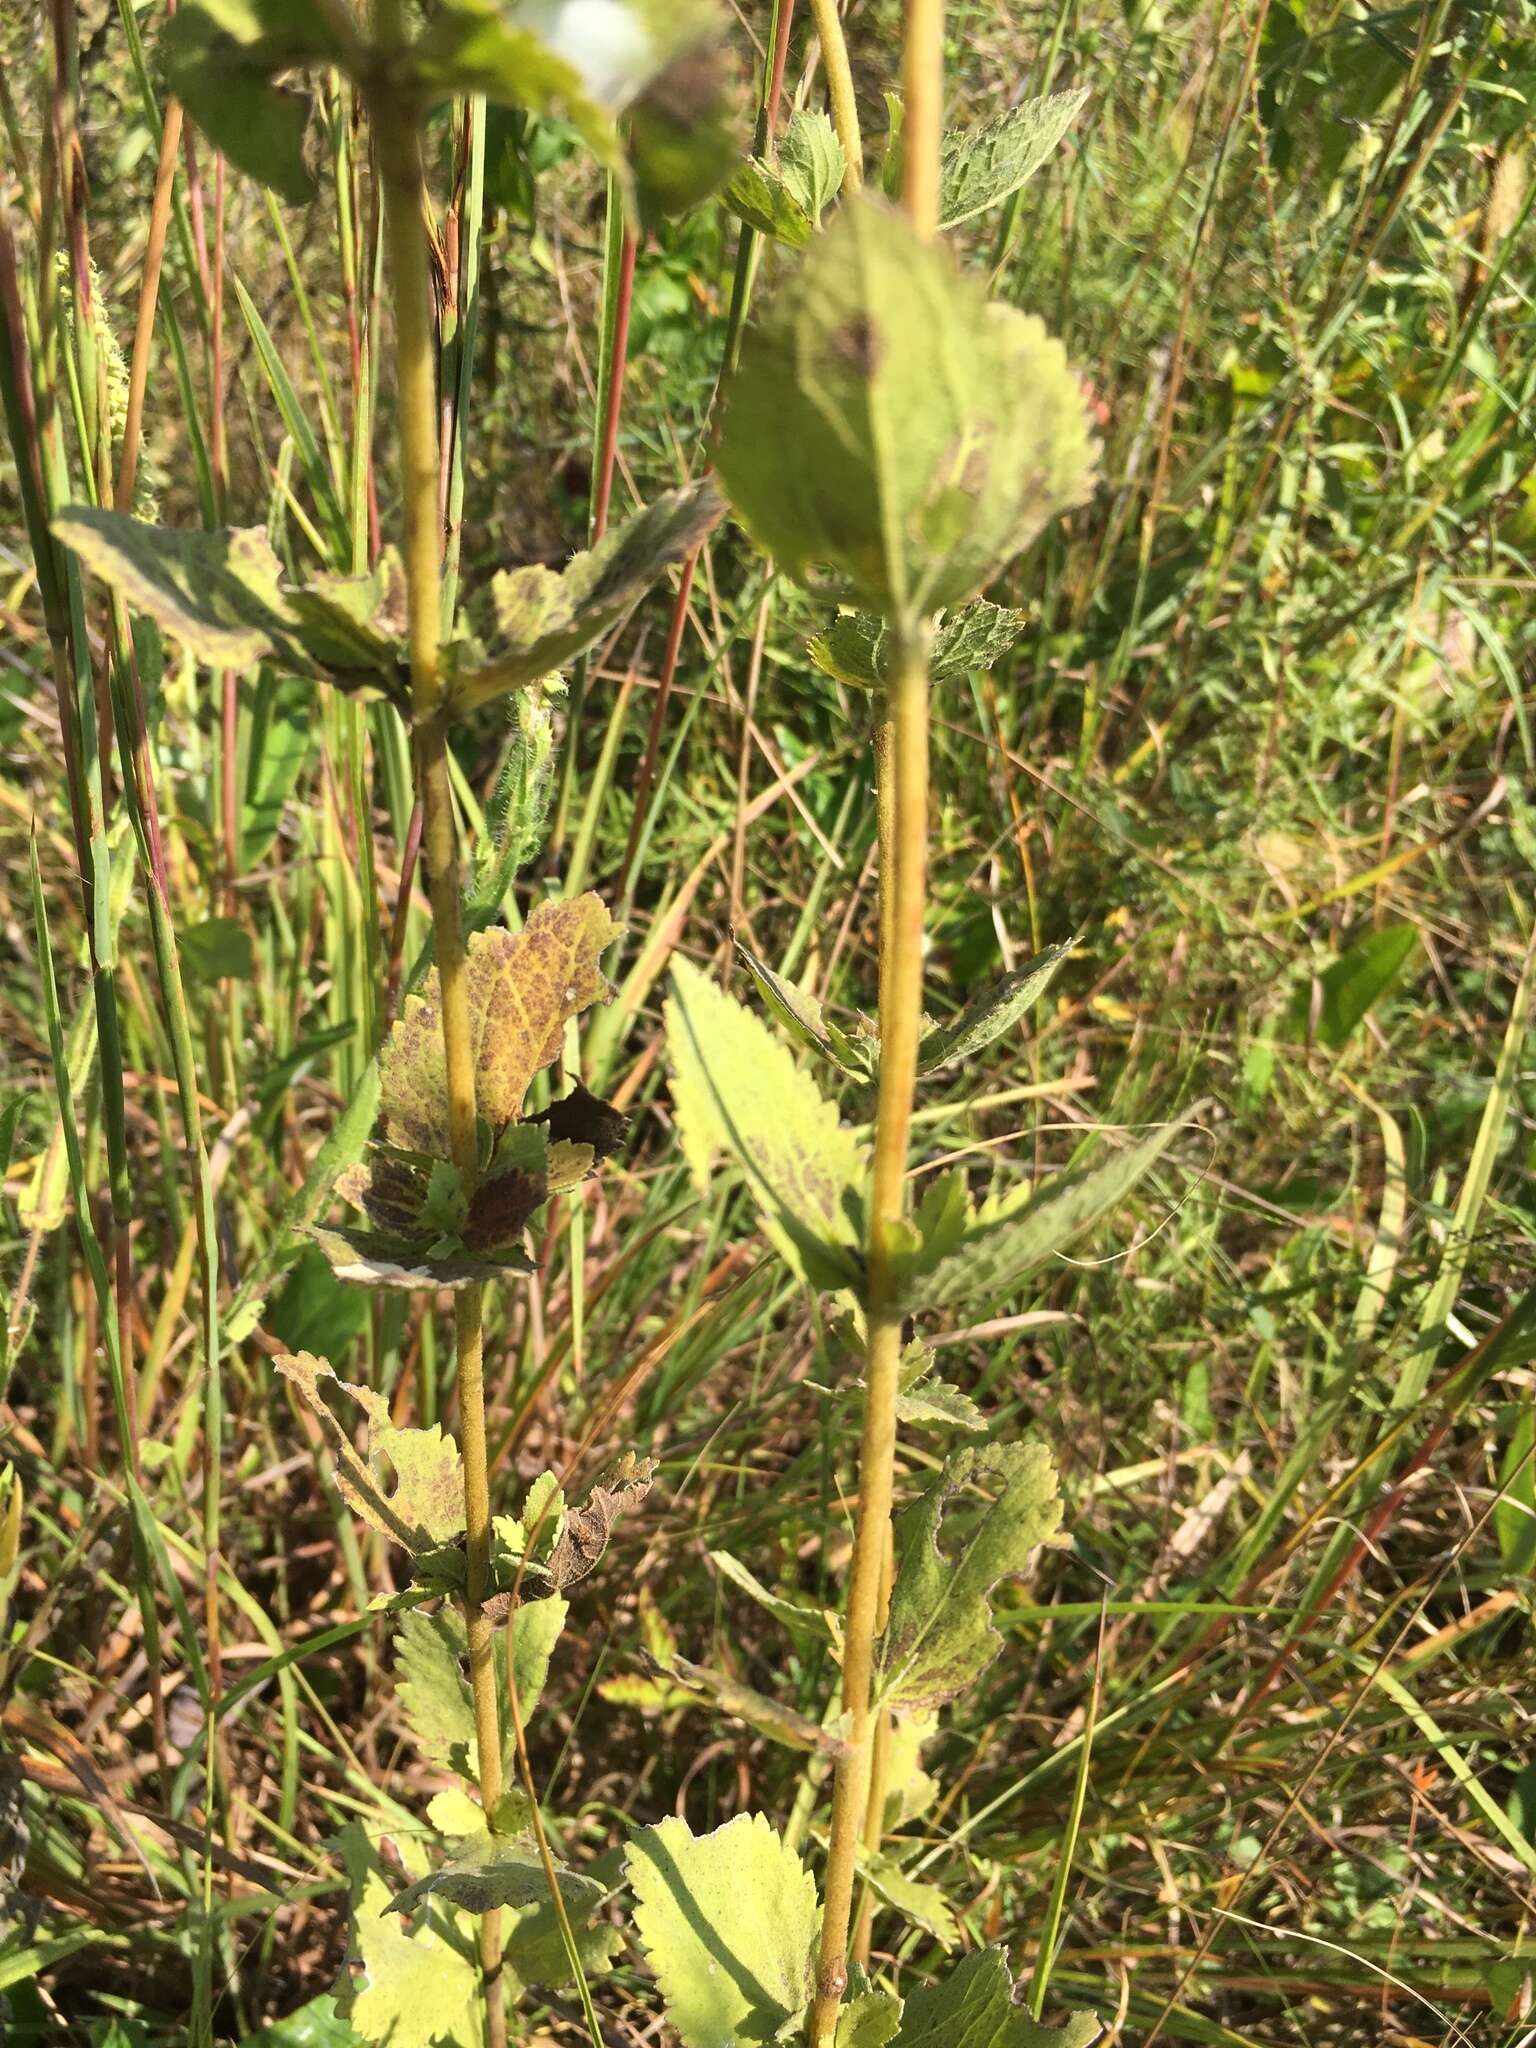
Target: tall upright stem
{"type": "Point", "coordinates": [900, 1021]}
{"type": "Point", "coordinates": [395, 129]}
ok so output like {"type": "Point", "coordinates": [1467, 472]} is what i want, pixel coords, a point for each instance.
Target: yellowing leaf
{"type": "Point", "coordinates": [424, 1506]}
{"type": "Point", "coordinates": [890, 430]}
{"type": "Point", "coordinates": [522, 987]}
{"type": "Point", "coordinates": [416, 1989]}
{"type": "Point", "coordinates": [728, 1922]}
{"type": "Point", "coordinates": [737, 1090]}
{"type": "Point", "coordinates": [939, 1638]}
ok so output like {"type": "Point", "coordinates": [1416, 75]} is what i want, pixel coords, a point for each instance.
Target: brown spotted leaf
{"type": "Point", "coordinates": [408, 1483]}
{"type": "Point", "coordinates": [587, 1529]}
{"type": "Point", "coordinates": [582, 1118]}
{"type": "Point", "coordinates": [523, 988]}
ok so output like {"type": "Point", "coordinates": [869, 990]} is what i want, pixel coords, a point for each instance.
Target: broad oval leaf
{"type": "Point", "coordinates": [891, 430]}
{"type": "Point", "coordinates": [412, 1989]}
{"type": "Point", "coordinates": [728, 1922]}
{"type": "Point", "coordinates": [736, 1089]}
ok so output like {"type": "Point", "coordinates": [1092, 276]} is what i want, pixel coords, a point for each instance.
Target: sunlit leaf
{"type": "Point", "coordinates": [412, 1989]}
{"type": "Point", "coordinates": [804, 1018]}
{"type": "Point", "coordinates": [975, 2005]}
{"type": "Point", "coordinates": [1355, 983]}
{"type": "Point", "coordinates": [408, 1483]}
{"type": "Point", "coordinates": [737, 1090]}
{"type": "Point", "coordinates": [378, 1258]}
{"type": "Point", "coordinates": [220, 59]}
{"type": "Point", "coordinates": [792, 1613]}
{"type": "Point", "coordinates": [546, 619]}
{"type": "Point", "coordinates": [922, 1905]}
{"type": "Point", "coordinates": [523, 987]}
{"type": "Point", "coordinates": [983, 166]}
{"type": "Point", "coordinates": [939, 1637]}
{"type": "Point", "coordinates": [889, 429]}
{"type": "Point", "coordinates": [728, 1922]}
{"type": "Point", "coordinates": [866, 2019]}
{"type": "Point", "coordinates": [434, 1692]}
{"type": "Point", "coordinates": [585, 1531]}
{"type": "Point", "coordinates": [784, 199]}
{"type": "Point", "coordinates": [777, 1720]}
{"type": "Point", "coordinates": [988, 1015]}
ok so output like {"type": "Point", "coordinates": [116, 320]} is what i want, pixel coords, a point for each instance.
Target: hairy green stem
{"type": "Point", "coordinates": [395, 129]}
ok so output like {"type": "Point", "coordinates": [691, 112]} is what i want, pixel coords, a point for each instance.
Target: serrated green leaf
{"type": "Point", "coordinates": [940, 1405]}
{"type": "Point", "coordinates": [988, 1015]}
{"type": "Point", "coordinates": [222, 595]}
{"type": "Point", "coordinates": [482, 1872]}
{"type": "Point", "coordinates": [856, 648]}
{"type": "Point", "coordinates": [890, 428]}
{"type": "Point", "coordinates": [939, 1637]}
{"type": "Point", "coordinates": [220, 57]}
{"type": "Point", "coordinates": [973, 1255]}
{"type": "Point", "coordinates": [981, 167]}
{"type": "Point", "coordinates": [317, 2024]}
{"type": "Point", "coordinates": [728, 1922]}
{"type": "Point", "coordinates": [922, 1904]}
{"type": "Point", "coordinates": [523, 987]}
{"type": "Point", "coordinates": [545, 620]}
{"type": "Point", "coordinates": [408, 1483]}
{"type": "Point", "coordinates": [736, 1089]}
{"type": "Point", "coordinates": [756, 194]}
{"type": "Point", "coordinates": [973, 2007]}
{"type": "Point", "coordinates": [784, 199]}
{"type": "Point", "coordinates": [411, 1990]}
{"type": "Point", "coordinates": [867, 2019]}
{"type": "Point", "coordinates": [433, 1691]}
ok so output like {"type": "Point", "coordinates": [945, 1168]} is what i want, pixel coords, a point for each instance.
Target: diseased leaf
{"type": "Point", "coordinates": [379, 1258]}
{"type": "Point", "coordinates": [988, 1015]}
{"type": "Point", "coordinates": [968, 1254]}
{"type": "Point", "coordinates": [584, 1536]}
{"type": "Point", "coordinates": [939, 1637]}
{"type": "Point", "coordinates": [522, 989]}
{"type": "Point", "coordinates": [424, 1507]}
{"type": "Point", "coordinates": [222, 595]}
{"type": "Point", "coordinates": [973, 2007]}
{"type": "Point", "coordinates": [934, 434]}
{"type": "Point", "coordinates": [546, 620]}
{"type": "Point", "coordinates": [585, 1121]}
{"type": "Point", "coordinates": [728, 1922]}
{"type": "Point", "coordinates": [981, 167]}
{"type": "Point", "coordinates": [736, 1089]}
{"type": "Point", "coordinates": [412, 1989]}
{"type": "Point", "coordinates": [856, 648]}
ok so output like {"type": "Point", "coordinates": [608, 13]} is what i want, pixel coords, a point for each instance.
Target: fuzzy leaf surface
{"type": "Point", "coordinates": [434, 1693]}
{"type": "Point", "coordinates": [482, 1872]}
{"type": "Point", "coordinates": [784, 200]}
{"type": "Point", "coordinates": [890, 430]}
{"type": "Point", "coordinates": [856, 648]}
{"type": "Point", "coordinates": [546, 619]}
{"type": "Point", "coordinates": [220, 56]}
{"type": "Point", "coordinates": [736, 1089]}
{"type": "Point", "coordinates": [417, 1989]}
{"type": "Point", "coordinates": [939, 1638]}
{"type": "Point", "coordinates": [803, 1017]}
{"type": "Point", "coordinates": [728, 1922]}
{"type": "Point", "coordinates": [969, 1254]}
{"type": "Point", "coordinates": [973, 2008]}
{"type": "Point", "coordinates": [981, 167]}
{"type": "Point", "coordinates": [222, 595]}
{"type": "Point", "coordinates": [987, 1016]}
{"type": "Point", "coordinates": [423, 1508]}
{"type": "Point", "coordinates": [523, 988]}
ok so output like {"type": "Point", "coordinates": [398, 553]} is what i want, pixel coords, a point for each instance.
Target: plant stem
{"type": "Point", "coordinates": [900, 1017]}
{"type": "Point", "coordinates": [845, 108]}
{"type": "Point", "coordinates": [922, 81]}
{"type": "Point", "coordinates": [395, 129]}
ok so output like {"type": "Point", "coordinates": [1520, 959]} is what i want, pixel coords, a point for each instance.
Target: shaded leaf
{"type": "Point", "coordinates": [970, 1254]}
{"type": "Point", "coordinates": [889, 428]}
{"type": "Point", "coordinates": [939, 1637]}
{"type": "Point", "coordinates": [217, 949]}
{"type": "Point", "coordinates": [584, 1535]}
{"type": "Point", "coordinates": [1354, 983]}
{"type": "Point", "coordinates": [523, 987]}
{"type": "Point", "coordinates": [736, 1089]}
{"type": "Point", "coordinates": [856, 648]}
{"type": "Point", "coordinates": [682, 132]}
{"type": "Point", "coordinates": [484, 1871]}
{"type": "Point", "coordinates": [380, 1258]}
{"type": "Point", "coordinates": [981, 167]}
{"type": "Point", "coordinates": [784, 199]}
{"type": "Point", "coordinates": [974, 2006]}
{"type": "Point", "coordinates": [988, 1015]}
{"type": "Point", "coordinates": [804, 1018]}
{"type": "Point", "coordinates": [585, 1120]}
{"type": "Point", "coordinates": [779, 1722]}
{"type": "Point", "coordinates": [220, 57]}
{"type": "Point", "coordinates": [793, 1613]}
{"type": "Point", "coordinates": [412, 1989]}
{"type": "Point", "coordinates": [728, 1922]}
{"type": "Point", "coordinates": [546, 619]}
{"type": "Point", "coordinates": [424, 1506]}
{"type": "Point", "coordinates": [279, 737]}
